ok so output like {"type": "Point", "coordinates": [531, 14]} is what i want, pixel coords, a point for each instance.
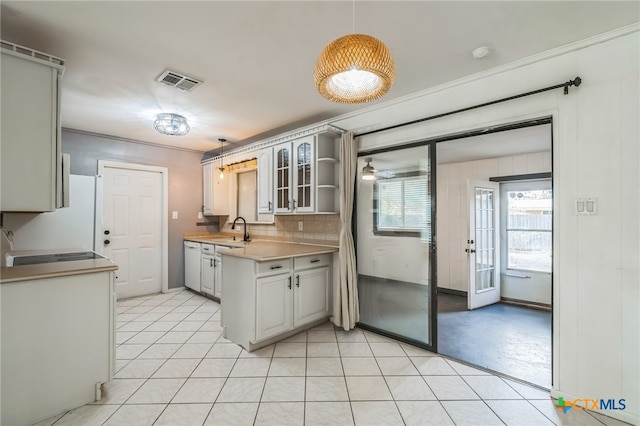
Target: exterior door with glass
{"type": "Point", "coordinates": [483, 244]}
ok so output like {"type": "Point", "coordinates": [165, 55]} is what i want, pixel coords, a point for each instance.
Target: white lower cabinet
{"type": "Point", "coordinates": [208, 269]}
{"type": "Point", "coordinates": [264, 300]}
{"type": "Point", "coordinates": [273, 305]}
{"type": "Point", "coordinates": [58, 344]}
{"type": "Point", "coordinates": [208, 274]}
{"type": "Point", "coordinates": [217, 282]}
{"type": "Point", "coordinates": [311, 295]}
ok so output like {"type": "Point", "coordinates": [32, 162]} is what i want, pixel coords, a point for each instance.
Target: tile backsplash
{"type": "Point", "coordinates": [325, 227]}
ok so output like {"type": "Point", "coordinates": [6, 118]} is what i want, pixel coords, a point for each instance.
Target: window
{"type": "Point", "coordinates": [403, 206]}
{"type": "Point", "coordinates": [529, 217]}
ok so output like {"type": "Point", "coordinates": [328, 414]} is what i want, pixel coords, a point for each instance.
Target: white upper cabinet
{"type": "Point", "coordinates": [305, 173]}
{"type": "Point", "coordinates": [30, 137]}
{"type": "Point", "coordinates": [282, 178]}
{"type": "Point", "coordinates": [216, 192]}
{"type": "Point", "coordinates": [265, 181]}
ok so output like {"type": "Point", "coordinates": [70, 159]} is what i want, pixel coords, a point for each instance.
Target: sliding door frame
{"type": "Point", "coordinates": [433, 290]}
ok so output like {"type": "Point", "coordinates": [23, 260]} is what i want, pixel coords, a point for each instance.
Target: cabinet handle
{"type": "Point", "coordinates": [294, 204]}
{"type": "Point", "coordinates": [277, 267]}
{"type": "Point", "coordinates": [215, 263]}
{"type": "Point", "coordinates": [270, 204]}
{"type": "Point", "coordinates": [289, 283]}
{"type": "Point", "coordinates": [315, 261]}
{"type": "Point", "coordinates": [210, 263]}
{"type": "Point", "coordinates": [297, 280]}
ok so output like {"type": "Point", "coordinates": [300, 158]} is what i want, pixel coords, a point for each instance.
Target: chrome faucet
{"type": "Point", "coordinates": [245, 237]}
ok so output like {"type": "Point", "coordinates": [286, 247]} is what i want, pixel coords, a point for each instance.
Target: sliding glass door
{"type": "Point", "coordinates": [395, 252]}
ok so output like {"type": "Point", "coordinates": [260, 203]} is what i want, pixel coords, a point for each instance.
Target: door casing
{"type": "Point", "coordinates": [99, 226]}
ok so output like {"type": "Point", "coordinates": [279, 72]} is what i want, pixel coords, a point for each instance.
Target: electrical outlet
{"type": "Point", "coordinates": [174, 214]}
{"type": "Point", "coordinates": [199, 215]}
{"type": "Point", "coordinates": [300, 225]}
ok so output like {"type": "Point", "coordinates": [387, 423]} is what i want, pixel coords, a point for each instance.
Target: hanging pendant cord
{"type": "Point", "coordinates": [575, 82]}
{"type": "Point", "coordinates": [353, 14]}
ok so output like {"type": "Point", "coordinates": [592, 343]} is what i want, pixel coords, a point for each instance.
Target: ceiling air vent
{"type": "Point", "coordinates": [180, 81]}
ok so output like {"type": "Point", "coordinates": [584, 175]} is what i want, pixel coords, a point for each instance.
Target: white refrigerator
{"type": "Point", "coordinates": [67, 228]}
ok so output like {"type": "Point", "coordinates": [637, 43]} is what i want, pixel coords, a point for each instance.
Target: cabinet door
{"type": "Point", "coordinates": [282, 175]}
{"type": "Point", "coordinates": [208, 274]}
{"type": "Point", "coordinates": [221, 193]}
{"type": "Point", "coordinates": [207, 190]}
{"type": "Point", "coordinates": [273, 305]}
{"type": "Point", "coordinates": [311, 295]}
{"type": "Point", "coordinates": [303, 175]}
{"type": "Point", "coordinates": [265, 181]}
{"type": "Point", "coordinates": [215, 191]}
{"type": "Point", "coordinates": [217, 282]}
{"type": "Point", "coordinates": [29, 135]}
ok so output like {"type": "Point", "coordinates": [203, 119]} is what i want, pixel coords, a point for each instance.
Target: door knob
{"type": "Point", "coordinates": [106, 242]}
{"type": "Point", "coordinates": [107, 232]}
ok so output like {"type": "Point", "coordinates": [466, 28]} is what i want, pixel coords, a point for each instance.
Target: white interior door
{"type": "Point", "coordinates": [483, 245]}
{"type": "Point", "coordinates": [132, 228]}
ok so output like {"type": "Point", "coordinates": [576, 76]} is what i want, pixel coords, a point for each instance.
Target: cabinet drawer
{"type": "Point", "coordinates": [208, 249]}
{"type": "Point", "coordinates": [314, 261]}
{"type": "Point", "coordinates": [273, 267]}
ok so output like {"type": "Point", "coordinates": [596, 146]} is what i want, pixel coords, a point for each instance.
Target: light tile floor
{"type": "Point", "coordinates": [174, 368]}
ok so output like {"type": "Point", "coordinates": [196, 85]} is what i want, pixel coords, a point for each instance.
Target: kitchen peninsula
{"type": "Point", "coordinates": [273, 289]}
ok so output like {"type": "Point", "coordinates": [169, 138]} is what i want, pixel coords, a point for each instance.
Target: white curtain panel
{"type": "Point", "coordinates": [346, 310]}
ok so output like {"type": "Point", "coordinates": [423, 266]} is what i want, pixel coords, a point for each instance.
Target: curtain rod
{"type": "Point", "coordinates": [575, 82]}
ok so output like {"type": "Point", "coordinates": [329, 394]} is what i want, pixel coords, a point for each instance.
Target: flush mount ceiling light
{"type": "Point", "coordinates": [171, 124]}
{"type": "Point", "coordinates": [368, 172]}
{"type": "Point", "coordinates": [355, 68]}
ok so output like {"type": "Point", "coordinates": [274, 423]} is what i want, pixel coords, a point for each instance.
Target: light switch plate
{"type": "Point", "coordinates": [586, 206]}
{"type": "Point", "coordinates": [300, 225]}
{"type": "Point", "coordinates": [199, 215]}
{"type": "Point", "coordinates": [174, 214]}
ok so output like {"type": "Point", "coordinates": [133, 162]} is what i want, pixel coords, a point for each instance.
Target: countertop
{"type": "Point", "coordinates": [264, 250]}
{"type": "Point", "coordinates": [58, 269]}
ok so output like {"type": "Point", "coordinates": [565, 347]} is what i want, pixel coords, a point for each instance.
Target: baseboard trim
{"type": "Point", "coordinates": [452, 291]}
{"type": "Point", "coordinates": [526, 303]}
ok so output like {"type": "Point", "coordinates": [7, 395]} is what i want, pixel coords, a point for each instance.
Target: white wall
{"type": "Point", "coordinates": [596, 153]}
{"type": "Point", "coordinates": [453, 222]}
{"type": "Point", "coordinates": [396, 258]}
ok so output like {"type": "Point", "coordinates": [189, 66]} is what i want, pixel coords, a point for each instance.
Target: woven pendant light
{"type": "Point", "coordinates": [353, 69]}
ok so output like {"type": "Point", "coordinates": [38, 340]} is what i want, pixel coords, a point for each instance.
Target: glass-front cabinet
{"type": "Point", "coordinates": [294, 172]}
{"type": "Point", "coordinates": [282, 154]}
{"type": "Point", "coordinates": [303, 183]}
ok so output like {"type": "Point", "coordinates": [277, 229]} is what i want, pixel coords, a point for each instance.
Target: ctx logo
{"type": "Point", "coordinates": [590, 404]}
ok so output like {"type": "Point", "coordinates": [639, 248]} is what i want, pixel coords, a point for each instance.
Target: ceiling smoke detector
{"type": "Point", "coordinates": [182, 82]}
{"type": "Point", "coordinates": [481, 52]}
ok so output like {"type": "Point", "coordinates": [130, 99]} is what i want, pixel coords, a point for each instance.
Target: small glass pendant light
{"type": "Point", "coordinates": [222, 140]}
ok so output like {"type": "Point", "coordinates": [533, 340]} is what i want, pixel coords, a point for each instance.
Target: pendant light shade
{"type": "Point", "coordinates": [171, 124]}
{"type": "Point", "coordinates": [222, 141]}
{"type": "Point", "coordinates": [353, 69]}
